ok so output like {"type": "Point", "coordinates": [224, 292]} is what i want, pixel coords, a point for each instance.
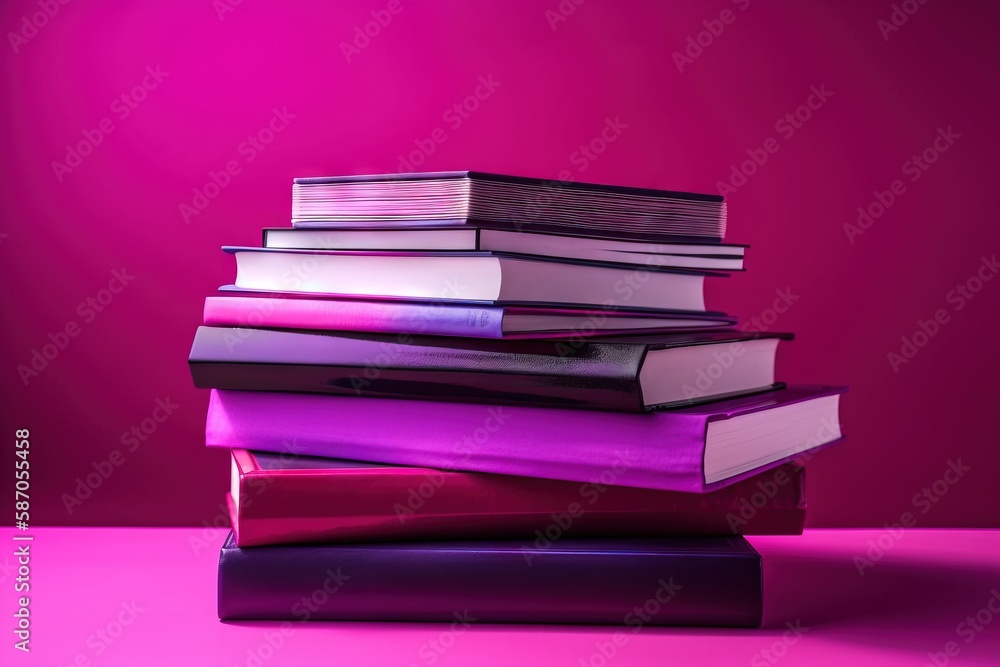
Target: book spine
{"type": "Point", "coordinates": [387, 317]}
{"type": "Point", "coordinates": [421, 503]}
{"type": "Point", "coordinates": [599, 377]}
{"type": "Point", "coordinates": [658, 451]}
{"type": "Point", "coordinates": [470, 584]}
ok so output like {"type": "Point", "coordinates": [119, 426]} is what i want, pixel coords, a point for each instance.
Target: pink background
{"type": "Point", "coordinates": [557, 87]}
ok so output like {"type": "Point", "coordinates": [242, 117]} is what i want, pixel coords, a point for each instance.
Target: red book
{"type": "Point", "coordinates": [284, 499]}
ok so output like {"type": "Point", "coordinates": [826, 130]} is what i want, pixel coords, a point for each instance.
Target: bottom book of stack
{"type": "Point", "coordinates": [707, 581]}
{"type": "Point", "coordinates": [320, 539]}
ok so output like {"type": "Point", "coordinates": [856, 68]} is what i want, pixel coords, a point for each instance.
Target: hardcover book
{"type": "Point", "coordinates": [282, 499]}
{"type": "Point", "coordinates": [506, 202]}
{"type": "Point", "coordinates": [626, 374]}
{"type": "Point", "coordinates": [473, 276]}
{"type": "Point", "coordinates": [692, 449]}
{"type": "Point", "coordinates": [698, 256]}
{"type": "Point", "coordinates": [295, 311]}
{"type": "Point", "coordinates": [708, 581]}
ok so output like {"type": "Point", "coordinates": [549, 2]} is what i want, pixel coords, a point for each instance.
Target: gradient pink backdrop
{"type": "Point", "coordinates": [556, 88]}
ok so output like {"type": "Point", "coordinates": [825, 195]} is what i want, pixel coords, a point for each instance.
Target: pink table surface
{"type": "Point", "coordinates": [146, 596]}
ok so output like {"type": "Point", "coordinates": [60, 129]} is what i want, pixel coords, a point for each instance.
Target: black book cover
{"type": "Point", "coordinates": [587, 373]}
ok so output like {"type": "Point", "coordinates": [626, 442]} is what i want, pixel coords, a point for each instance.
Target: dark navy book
{"type": "Point", "coordinates": [707, 581]}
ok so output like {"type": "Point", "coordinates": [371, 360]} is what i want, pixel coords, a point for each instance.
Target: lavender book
{"type": "Point", "coordinates": [694, 449]}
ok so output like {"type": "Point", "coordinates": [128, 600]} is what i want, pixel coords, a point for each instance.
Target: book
{"type": "Point", "coordinates": [698, 256]}
{"type": "Point", "coordinates": [709, 581]}
{"type": "Point", "coordinates": [478, 276]}
{"type": "Point", "coordinates": [241, 308]}
{"type": "Point", "coordinates": [286, 499]}
{"type": "Point", "coordinates": [693, 449]}
{"type": "Point", "coordinates": [506, 202]}
{"type": "Point", "coordinates": [626, 374]}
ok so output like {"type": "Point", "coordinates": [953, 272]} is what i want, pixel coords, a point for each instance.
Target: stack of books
{"type": "Point", "coordinates": [456, 396]}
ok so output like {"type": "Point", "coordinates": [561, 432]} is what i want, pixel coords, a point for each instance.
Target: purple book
{"type": "Point", "coordinates": [246, 308]}
{"type": "Point", "coordinates": [695, 449]}
{"type": "Point", "coordinates": [506, 202]}
{"type": "Point", "coordinates": [712, 581]}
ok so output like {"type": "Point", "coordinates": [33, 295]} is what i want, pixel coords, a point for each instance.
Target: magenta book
{"type": "Point", "coordinates": [694, 449]}
{"type": "Point", "coordinates": [243, 308]}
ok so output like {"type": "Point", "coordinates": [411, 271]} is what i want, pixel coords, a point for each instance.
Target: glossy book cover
{"type": "Point", "coordinates": [710, 581]}
{"type": "Point", "coordinates": [666, 450]}
{"type": "Point", "coordinates": [283, 499]}
{"type": "Point", "coordinates": [618, 373]}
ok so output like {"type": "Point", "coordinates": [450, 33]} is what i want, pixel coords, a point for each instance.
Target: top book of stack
{"type": "Point", "coordinates": [443, 199]}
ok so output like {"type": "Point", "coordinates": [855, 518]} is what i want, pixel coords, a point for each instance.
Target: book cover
{"type": "Point", "coordinates": [507, 202]}
{"type": "Point", "coordinates": [625, 374]}
{"type": "Point", "coordinates": [708, 581]}
{"type": "Point", "coordinates": [682, 255]}
{"type": "Point", "coordinates": [246, 308]}
{"type": "Point", "coordinates": [693, 449]}
{"type": "Point", "coordinates": [465, 276]}
{"type": "Point", "coordinates": [283, 499]}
